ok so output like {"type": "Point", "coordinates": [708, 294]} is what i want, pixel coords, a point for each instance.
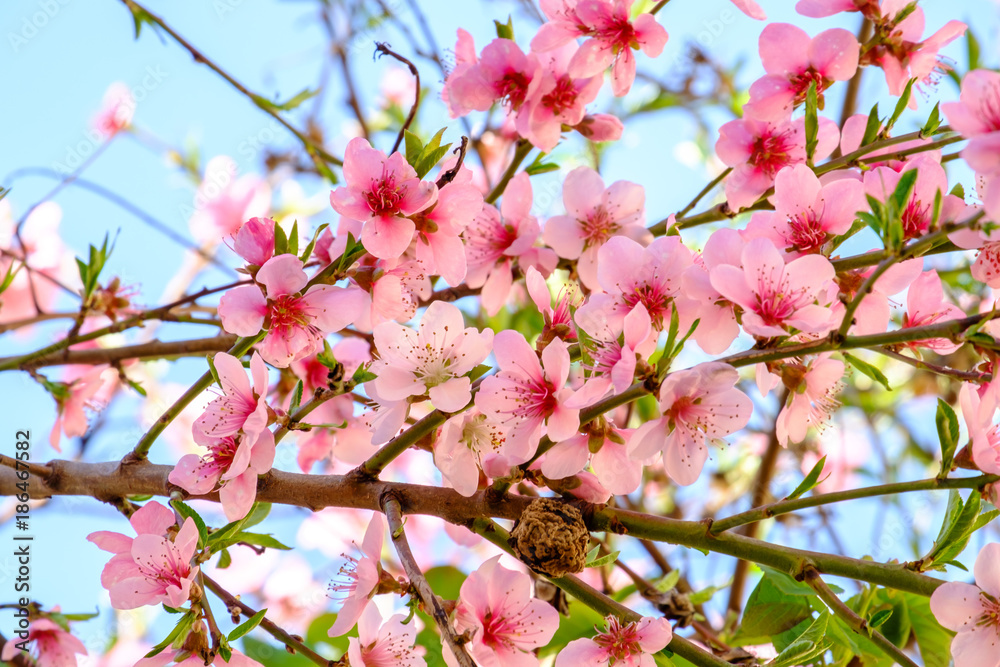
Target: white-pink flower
{"type": "Point", "coordinates": [926, 304]}
{"type": "Point", "coordinates": [973, 612]}
{"type": "Point", "coordinates": [382, 192]}
{"type": "Point", "coordinates": [379, 644]}
{"type": "Point", "coordinates": [777, 297]}
{"type": "Point", "coordinates": [594, 215]}
{"type": "Point", "coordinates": [496, 608]}
{"type": "Point", "coordinates": [812, 397]}
{"type": "Point", "coordinates": [359, 578]}
{"type": "Point", "coordinates": [433, 360]}
{"type": "Point", "coordinates": [296, 322]}
{"type": "Point", "coordinates": [525, 394]}
{"type": "Point", "coordinates": [620, 645]}
{"type": "Point", "coordinates": [696, 403]}
{"type": "Point", "coordinates": [467, 442]}
{"type": "Point", "coordinates": [979, 407]}
{"type": "Point", "coordinates": [241, 407]}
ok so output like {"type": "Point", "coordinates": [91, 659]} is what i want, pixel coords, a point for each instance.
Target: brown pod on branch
{"type": "Point", "coordinates": [551, 538]}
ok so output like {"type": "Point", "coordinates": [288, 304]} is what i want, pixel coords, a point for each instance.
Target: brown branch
{"type": "Point", "coordinates": [34, 469]}
{"type": "Point", "coordinates": [383, 49]}
{"type": "Point", "coordinates": [152, 350]}
{"type": "Point", "coordinates": [431, 602]}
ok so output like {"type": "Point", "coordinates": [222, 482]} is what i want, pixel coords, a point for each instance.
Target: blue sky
{"type": "Point", "coordinates": [57, 58]}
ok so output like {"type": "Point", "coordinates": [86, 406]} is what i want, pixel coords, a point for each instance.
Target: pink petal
{"type": "Point", "coordinates": [282, 275]}
{"type": "Point", "coordinates": [242, 310]}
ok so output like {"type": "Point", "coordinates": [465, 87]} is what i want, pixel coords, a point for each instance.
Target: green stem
{"type": "Point", "coordinates": [599, 602]}
{"type": "Point", "coordinates": [785, 506]}
{"type": "Point", "coordinates": [520, 152]}
{"type": "Point", "coordinates": [141, 451]}
{"type": "Point", "coordinates": [853, 621]}
{"type": "Point", "coordinates": [708, 188]}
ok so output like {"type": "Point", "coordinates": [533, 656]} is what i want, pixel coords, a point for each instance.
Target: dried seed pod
{"type": "Point", "coordinates": [551, 538]}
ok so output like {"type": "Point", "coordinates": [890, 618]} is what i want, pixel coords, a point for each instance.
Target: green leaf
{"type": "Point", "coordinates": [136, 387]}
{"type": "Point", "coordinates": [541, 168]}
{"type": "Point", "coordinates": [901, 105]}
{"type": "Point", "coordinates": [259, 540]}
{"type": "Point", "coordinates": [705, 594]}
{"type": "Point", "coordinates": [947, 428]}
{"type": "Point", "coordinates": [293, 238]}
{"type": "Point", "coordinates": [982, 520]}
{"type": "Point", "coordinates": [933, 122]}
{"type": "Point", "coordinates": [958, 191]}
{"type": "Point", "coordinates": [878, 619]}
{"type": "Point", "coordinates": [186, 512]}
{"type": "Point", "coordinates": [246, 627]}
{"type": "Point", "coordinates": [296, 398]}
{"type": "Point", "coordinates": [770, 610]}
{"type": "Point", "coordinates": [294, 102]}
{"type": "Point", "coordinates": [225, 560]}
{"type": "Point", "coordinates": [180, 630]}
{"type": "Point", "coordinates": [307, 253]}
{"type": "Point", "coordinates": [871, 127]}
{"type": "Point", "coordinates": [810, 482]}
{"type": "Point", "coordinates": [933, 640]}
{"type": "Point", "coordinates": [604, 560]}
{"type": "Point", "coordinates": [11, 273]}
{"type": "Point", "coordinates": [414, 147]}
{"type": "Point", "coordinates": [505, 30]}
{"type": "Point", "coordinates": [139, 17]}
{"type": "Point", "coordinates": [812, 122]}
{"type": "Point", "coordinates": [867, 369]}
{"type": "Point", "coordinates": [280, 241]}
{"type": "Point", "coordinates": [959, 522]}
{"type": "Point", "coordinates": [809, 645]}
{"type": "Point", "coordinates": [972, 49]}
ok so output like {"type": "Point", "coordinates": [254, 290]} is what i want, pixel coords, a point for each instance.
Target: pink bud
{"type": "Point", "coordinates": [255, 240]}
{"type": "Point", "coordinates": [600, 127]}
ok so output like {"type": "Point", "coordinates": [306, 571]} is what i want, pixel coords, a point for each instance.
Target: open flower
{"type": "Point", "coordinates": [382, 192]}
{"type": "Point", "coordinates": [973, 612]}
{"type": "Point", "coordinates": [296, 322]}
{"type": "Point", "coordinates": [379, 644]}
{"type": "Point", "coordinates": [150, 568]}
{"type": "Point", "coordinates": [50, 645]}
{"type": "Point", "coordinates": [626, 644]}
{"type": "Point", "coordinates": [495, 606]}
{"type": "Point", "coordinates": [359, 578]}
{"type": "Point", "coordinates": [696, 403]}
{"type": "Point", "coordinates": [241, 407]}
{"type": "Point", "coordinates": [979, 406]}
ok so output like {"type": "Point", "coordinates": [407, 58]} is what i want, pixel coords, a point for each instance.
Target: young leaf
{"type": "Point", "coordinates": [280, 241]}
{"type": "Point", "coordinates": [505, 30]}
{"type": "Point", "coordinates": [307, 253]}
{"type": "Point", "coordinates": [247, 626]}
{"type": "Point", "coordinates": [809, 645]}
{"type": "Point", "coordinates": [872, 127]}
{"type": "Point", "coordinates": [604, 560]}
{"type": "Point", "coordinates": [878, 619]}
{"type": "Point", "coordinates": [867, 369]}
{"type": "Point", "coordinates": [293, 238]}
{"type": "Point", "coordinates": [810, 482]}
{"type": "Point", "coordinates": [414, 147]}
{"type": "Point", "coordinates": [947, 428]}
{"type": "Point", "coordinates": [296, 397]}
{"type": "Point", "coordinates": [186, 512]}
{"type": "Point", "coordinates": [933, 122]}
{"type": "Point", "coordinates": [295, 101]}
{"type": "Point", "coordinates": [812, 122]}
{"type": "Point", "coordinates": [901, 105]}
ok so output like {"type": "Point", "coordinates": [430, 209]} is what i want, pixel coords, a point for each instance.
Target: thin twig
{"type": "Point", "coordinates": [382, 48]}
{"type": "Point", "coordinates": [431, 602]}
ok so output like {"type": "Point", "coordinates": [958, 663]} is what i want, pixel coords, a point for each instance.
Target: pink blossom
{"type": "Point", "coordinates": [503, 73]}
{"type": "Point", "coordinates": [793, 61]}
{"type": "Point", "coordinates": [977, 116]}
{"type": "Point", "coordinates": [979, 406]}
{"type": "Point", "coordinates": [433, 360]}
{"type": "Point", "coordinates": [776, 297]}
{"type": "Point", "coordinates": [614, 470]}
{"type": "Point", "coordinates": [751, 9]}
{"type": "Point", "coordinates": [230, 460]}
{"type": "Point", "coordinates": [696, 403]}
{"type": "Point", "coordinates": [468, 442]}
{"type": "Point", "coordinates": [555, 99]}
{"type": "Point", "coordinates": [438, 229]}
{"type": "Point", "coordinates": [812, 396]}
{"type": "Point", "coordinates": [853, 133]}
{"type": "Point", "coordinates": [631, 275]}
{"type": "Point", "coordinates": [973, 612]}
{"type": "Point", "coordinates": [50, 645]}
{"type": "Point", "coordinates": [758, 150]}
{"type": "Point", "coordinates": [391, 291]}
{"type": "Point", "coordinates": [495, 606]}
{"type": "Point", "coordinates": [559, 318]}
{"type": "Point", "coordinates": [808, 214]}
{"type": "Point", "coordinates": [932, 182]}
{"type": "Point", "coordinates": [595, 214]}
{"type": "Point", "coordinates": [465, 59]}
{"type": "Point", "coordinates": [379, 644]}
{"type": "Point", "coordinates": [904, 56]}
{"type": "Point", "coordinates": [926, 304]}
{"type": "Point", "coordinates": [183, 658]}
{"type": "Point", "coordinates": [241, 407]}
{"type": "Point", "coordinates": [255, 241]}
{"type": "Point", "coordinates": [717, 328]}
{"type": "Point", "coordinates": [613, 355]}
{"type": "Point", "coordinates": [873, 313]}
{"type": "Point", "coordinates": [625, 644]}
{"type": "Point", "coordinates": [986, 268]}
{"type": "Point", "coordinates": [600, 127]}
{"type": "Point", "coordinates": [823, 8]}
{"type": "Point", "coordinates": [116, 111]}
{"type": "Point", "coordinates": [296, 322]}
{"type": "Point", "coordinates": [73, 399]}
{"type": "Point", "coordinates": [382, 192]}
{"type": "Point", "coordinates": [526, 393]}
{"type": "Point", "coordinates": [611, 37]}
{"type": "Point", "coordinates": [359, 578]}
{"type": "Point", "coordinates": [224, 201]}
{"type": "Point", "coordinates": [150, 568]}
{"type": "Point", "coordinates": [496, 238]}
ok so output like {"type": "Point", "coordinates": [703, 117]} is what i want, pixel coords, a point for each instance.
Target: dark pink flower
{"type": "Point", "coordinates": [382, 192]}
{"type": "Point", "coordinates": [255, 241]}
